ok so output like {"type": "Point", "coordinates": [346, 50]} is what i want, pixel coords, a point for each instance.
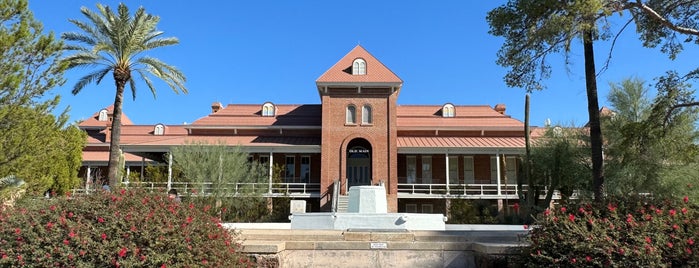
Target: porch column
{"type": "Point", "coordinates": [128, 172]}
{"type": "Point", "coordinates": [271, 173]}
{"type": "Point", "coordinates": [446, 157]}
{"type": "Point", "coordinates": [497, 165]}
{"type": "Point", "coordinates": [87, 178]}
{"type": "Point", "coordinates": [169, 171]}
{"type": "Point", "coordinates": [143, 165]}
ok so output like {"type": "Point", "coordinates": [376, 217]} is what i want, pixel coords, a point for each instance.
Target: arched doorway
{"type": "Point", "coordinates": [358, 162]}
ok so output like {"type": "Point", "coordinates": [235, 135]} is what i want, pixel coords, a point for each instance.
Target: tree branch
{"type": "Point", "coordinates": [653, 14]}
{"type": "Point", "coordinates": [677, 106]}
{"type": "Point", "coordinates": [611, 49]}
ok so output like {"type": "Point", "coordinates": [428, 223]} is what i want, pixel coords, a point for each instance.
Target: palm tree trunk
{"type": "Point", "coordinates": [594, 123]}
{"type": "Point", "coordinates": [114, 142]}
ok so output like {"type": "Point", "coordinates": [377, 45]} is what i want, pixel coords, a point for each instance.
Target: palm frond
{"type": "Point", "coordinates": [132, 85]}
{"type": "Point", "coordinates": [78, 37]}
{"type": "Point", "coordinates": [149, 83]}
{"type": "Point", "coordinates": [171, 75]}
{"type": "Point", "coordinates": [89, 29]}
{"type": "Point", "coordinates": [86, 80]}
{"type": "Point", "coordinates": [161, 42]}
{"type": "Point", "coordinates": [82, 59]}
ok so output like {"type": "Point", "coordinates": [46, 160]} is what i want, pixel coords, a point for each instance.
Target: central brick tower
{"type": "Point", "coordinates": [358, 95]}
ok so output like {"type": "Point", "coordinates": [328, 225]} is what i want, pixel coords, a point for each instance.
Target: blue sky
{"type": "Point", "coordinates": [257, 51]}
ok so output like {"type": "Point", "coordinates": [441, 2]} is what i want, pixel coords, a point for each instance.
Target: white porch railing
{"type": "Point", "coordinates": [462, 191]}
{"type": "Point", "coordinates": [288, 189]}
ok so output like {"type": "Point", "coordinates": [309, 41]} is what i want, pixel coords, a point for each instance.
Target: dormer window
{"type": "Point", "coordinates": [448, 110]}
{"type": "Point", "coordinates": [159, 130]}
{"type": "Point", "coordinates": [359, 67]}
{"type": "Point", "coordinates": [268, 109]}
{"type": "Point", "coordinates": [102, 116]}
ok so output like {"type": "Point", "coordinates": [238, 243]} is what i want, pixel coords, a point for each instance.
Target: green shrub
{"type": "Point", "coordinates": [632, 232]}
{"type": "Point", "coordinates": [128, 228]}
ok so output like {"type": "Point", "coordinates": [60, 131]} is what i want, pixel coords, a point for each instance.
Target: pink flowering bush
{"type": "Point", "coordinates": [632, 233]}
{"type": "Point", "coordinates": [126, 228]}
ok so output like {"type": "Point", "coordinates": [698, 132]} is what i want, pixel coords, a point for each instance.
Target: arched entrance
{"type": "Point", "coordinates": [358, 162]}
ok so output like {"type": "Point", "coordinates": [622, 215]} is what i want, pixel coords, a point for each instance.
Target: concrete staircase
{"type": "Point", "coordinates": [376, 248]}
{"type": "Point", "coordinates": [342, 203]}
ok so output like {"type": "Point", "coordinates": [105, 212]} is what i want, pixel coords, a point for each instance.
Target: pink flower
{"type": "Point", "coordinates": [104, 236]}
{"type": "Point", "coordinates": [70, 214]}
{"type": "Point", "coordinates": [163, 266]}
{"type": "Point", "coordinates": [17, 231]}
{"type": "Point", "coordinates": [71, 234]}
{"type": "Point", "coordinates": [669, 244]}
{"type": "Point", "coordinates": [122, 252]}
{"type": "Point", "coordinates": [675, 226]}
{"type": "Point", "coordinates": [573, 260]}
{"type": "Point", "coordinates": [673, 212]}
{"type": "Point", "coordinates": [525, 227]}
{"type": "Point", "coordinates": [563, 209]}
{"type": "Point", "coordinates": [52, 207]}
{"type": "Point", "coordinates": [100, 220]}
{"type": "Point", "coordinates": [648, 240]}
{"type": "Point", "coordinates": [65, 241]}
{"type": "Point", "coordinates": [122, 191]}
{"type": "Point", "coordinates": [588, 258]}
{"type": "Point", "coordinates": [688, 250]}
{"type": "Point", "coordinates": [547, 212]}
{"type": "Point", "coordinates": [49, 225]}
{"type": "Point", "coordinates": [191, 205]}
{"type": "Point", "coordinates": [611, 207]}
{"type": "Point", "coordinates": [571, 217]}
{"type": "Point", "coordinates": [189, 219]}
{"type": "Point", "coordinates": [690, 241]}
{"type": "Point", "coordinates": [684, 210]}
{"type": "Point", "coordinates": [686, 199]}
{"type": "Point", "coordinates": [581, 210]}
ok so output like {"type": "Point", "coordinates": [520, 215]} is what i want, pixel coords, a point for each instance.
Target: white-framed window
{"type": "Point", "coordinates": [268, 109]}
{"type": "Point", "coordinates": [263, 159]}
{"type": "Point", "coordinates": [305, 168]}
{"type": "Point", "coordinates": [290, 168]}
{"type": "Point", "coordinates": [366, 114]}
{"type": "Point", "coordinates": [359, 67]}
{"type": "Point", "coordinates": [426, 208]}
{"type": "Point", "coordinates": [453, 169]}
{"type": "Point", "coordinates": [448, 110]}
{"type": "Point", "coordinates": [102, 116]}
{"type": "Point", "coordinates": [509, 170]}
{"type": "Point", "coordinates": [427, 169]}
{"type": "Point", "coordinates": [411, 208]}
{"type": "Point", "coordinates": [469, 176]}
{"type": "Point", "coordinates": [159, 130]}
{"type": "Point", "coordinates": [511, 167]}
{"type": "Point", "coordinates": [411, 168]}
{"type": "Point", "coordinates": [351, 114]}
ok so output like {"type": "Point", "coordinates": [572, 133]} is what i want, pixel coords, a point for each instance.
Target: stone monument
{"type": "Point", "coordinates": [367, 210]}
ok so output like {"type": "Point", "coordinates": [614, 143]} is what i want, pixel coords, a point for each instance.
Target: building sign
{"type": "Point", "coordinates": [358, 150]}
{"type": "Point", "coordinates": [379, 245]}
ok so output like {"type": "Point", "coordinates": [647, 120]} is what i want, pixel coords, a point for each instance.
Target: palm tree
{"type": "Point", "coordinates": [116, 43]}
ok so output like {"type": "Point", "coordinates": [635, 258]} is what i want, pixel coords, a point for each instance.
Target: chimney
{"type": "Point", "coordinates": [215, 107]}
{"type": "Point", "coordinates": [500, 108]}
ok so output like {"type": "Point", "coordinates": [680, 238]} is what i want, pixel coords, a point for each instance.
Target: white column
{"type": "Point", "coordinates": [143, 167]}
{"type": "Point", "coordinates": [169, 171]}
{"type": "Point", "coordinates": [446, 157]}
{"type": "Point", "coordinates": [128, 172]}
{"type": "Point", "coordinates": [87, 178]}
{"type": "Point", "coordinates": [497, 165]}
{"type": "Point", "coordinates": [271, 173]}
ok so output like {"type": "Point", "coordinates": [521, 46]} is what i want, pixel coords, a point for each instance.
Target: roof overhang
{"type": "Point", "coordinates": [459, 150]}
{"type": "Point", "coordinates": [244, 148]}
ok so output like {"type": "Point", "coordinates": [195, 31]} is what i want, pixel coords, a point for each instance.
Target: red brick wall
{"type": "Point", "coordinates": [381, 134]}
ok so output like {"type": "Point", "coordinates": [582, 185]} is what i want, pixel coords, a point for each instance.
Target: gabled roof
{"type": "Point", "coordinates": [376, 72]}
{"type": "Point", "coordinates": [93, 122]}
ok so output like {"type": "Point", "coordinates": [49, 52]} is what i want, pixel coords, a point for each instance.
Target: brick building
{"type": "Point", "coordinates": [358, 135]}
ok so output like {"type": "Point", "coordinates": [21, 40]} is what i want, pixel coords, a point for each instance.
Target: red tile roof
{"type": "Point", "coordinates": [375, 70]}
{"type": "Point", "coordinates": [460, 142]}
{"type": "Point", "coordinates": [103, 156]}
{"type": "Point", "coordinates": [251, 115]}
{"type": "Point", "coordinates": [466, 117]}
{"type": "Point", "coordinates": [232, 140]}
{"type": "Point", "coordinates": [93, 122]}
